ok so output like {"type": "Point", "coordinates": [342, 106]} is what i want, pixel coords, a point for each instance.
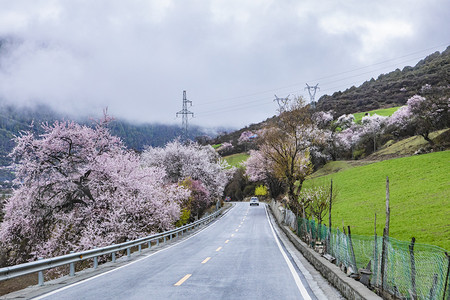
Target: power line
{"type": "Point", "coordinates": [231, 107]}
{"type": "Point", "coordinates": [264, 99]}
{"type": "Point", "coordinates": [334, 75]}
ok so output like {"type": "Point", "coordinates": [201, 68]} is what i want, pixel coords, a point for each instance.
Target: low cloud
{"type": "Point", "coordinates": [137, 57]}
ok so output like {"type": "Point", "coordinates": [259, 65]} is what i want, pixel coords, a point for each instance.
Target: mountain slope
{"type": "Point", "coordinates": [394, 88]}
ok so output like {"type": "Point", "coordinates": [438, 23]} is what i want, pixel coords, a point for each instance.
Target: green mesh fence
{"type": "Point", "coordinates": [419, 269]}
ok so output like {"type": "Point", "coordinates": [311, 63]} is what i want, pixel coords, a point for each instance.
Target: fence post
{"type": "Point", "coordinates": [446, 277]}
{"type": "Point", "coordinates": [329, 219]}
{"type": "Point", "coordinates": [413, 269]}
{"type": "Point", "coordinates": [72, 268]}
{"type": "Point", "coordinates": [40, 276]}
{"type": "Point", "coordinates": [352, 252]}
{"type": "Point", "coordinates": [433, 287]}
{"type": "Point", "coordinates": [337, 253]}
{"type": "Point", "coordinates": [385, 239]}
{"type": "Point", "coordinates": [375, 253]}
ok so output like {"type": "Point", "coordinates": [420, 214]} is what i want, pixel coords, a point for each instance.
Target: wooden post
{"type": "Point", "coordinates": [343, 227]}
{"type": "Point", "coordinates": [433, 287]}
{"type": "Point", "coordinates": [388, 210]}
{"type": "Point", "coordinates": [352, 252]}
{"type": "Point", "coordinates": [446, 277]}
{"type": "Point", "coordinates": [413, 269]}
{"type": "Point", "coordinates": [385, 238]}
{"type": "Point", "coordinates": [375, 252]}
{"type": "Point", "coordinates": [329, 219]}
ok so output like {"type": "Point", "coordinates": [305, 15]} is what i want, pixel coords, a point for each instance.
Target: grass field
{"type": "Point", "coordinates": [410, 145]}
{"type": "Point", "coordinates": [387, 112]}
{"type": "Point", "coordinates": [419, 197]}
{"type": "Point", "coordinates": [235, 160]}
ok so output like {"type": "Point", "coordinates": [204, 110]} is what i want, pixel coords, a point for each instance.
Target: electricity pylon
{"type": "Point", "coordinates": [185, 116]}
{"type": "Point", "coordinates": [312, 95]}
{"type": "Point", "coordinates": [282, 103]}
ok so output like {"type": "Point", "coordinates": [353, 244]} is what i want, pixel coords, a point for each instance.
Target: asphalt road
{"type": "Point", "coordinates": [237, 257]}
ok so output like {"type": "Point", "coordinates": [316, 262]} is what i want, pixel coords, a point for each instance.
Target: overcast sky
{"type": "Point", "coordinates": [232, 57]}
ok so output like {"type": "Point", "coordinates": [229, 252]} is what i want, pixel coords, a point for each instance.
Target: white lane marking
{"type": "Point", "coordinates": [298, 282]}
{"type": "Point", "coordinates": [131, 263]}
{"type": "Point", "coordinates": [218, 249]}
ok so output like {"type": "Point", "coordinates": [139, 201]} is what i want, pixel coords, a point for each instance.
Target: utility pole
{"type": "Point", "coordinates": [312, 94]}
{"type": "Point", "coordinates": [185, 116]}
{"type": "Point", "coordinates": [282, 103]}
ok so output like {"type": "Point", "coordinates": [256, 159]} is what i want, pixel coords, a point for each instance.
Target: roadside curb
{"type": "Point", "coordinates": [349, 288]}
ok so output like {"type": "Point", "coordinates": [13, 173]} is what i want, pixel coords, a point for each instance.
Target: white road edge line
{"type": "Point", "coordinates": [298, 282]}
{"type": "Point", "coordinates": [129, 264]}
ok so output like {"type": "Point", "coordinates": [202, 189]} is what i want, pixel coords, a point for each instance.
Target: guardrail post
{"type": "Point", "coordinates": [95, 261]}
{"type": "Point", "coordinates": [140, 248]}
{"type": "Point", "coordinates": [40, 276]}
{"type": "Point", "coordinates": [149, 244]}
{"type": "Point", "coordinates": [72, 268]}
{"type": "Point", "coordinates": [170, 237]}
{"type": "Point", "coordinates": [128, 251]}
{"type": "Point", "coordinates": [113, 257]}
{"type": "Point", "coordinates": [176, 236]}
{"type": "Point", "coordinates": [157, 242]}
{"type": "Point", "coordinates": [164, 239]}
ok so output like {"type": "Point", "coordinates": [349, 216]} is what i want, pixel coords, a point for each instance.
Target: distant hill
{"type": "Point", "coordinates": [394, 88]}
{"type": "Point", "coordinates": [135, 136]}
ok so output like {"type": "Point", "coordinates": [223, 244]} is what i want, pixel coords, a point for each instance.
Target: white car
{"type": "Point", "coordinates": [254, 201]}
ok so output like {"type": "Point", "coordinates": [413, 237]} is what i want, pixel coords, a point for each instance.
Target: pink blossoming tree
{"type": "Point", "coordinates": [181, 161]}
{"type": "Point", "coordinates": [78, 187]}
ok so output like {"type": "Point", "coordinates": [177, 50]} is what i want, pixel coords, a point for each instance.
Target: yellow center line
{"type": "Point", "coordinates": [182, 280]}
{"type": "Point", "coordinates": [218, 249]}
{"type": "Point", "coordinates": [226, 242]}
{"type": "Point", "coordinates": [206, 260]}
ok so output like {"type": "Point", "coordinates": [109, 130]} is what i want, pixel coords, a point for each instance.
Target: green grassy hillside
{"type": "Point", "coordinates": [386, 112]}
{"type": "Point", "coordinates": [235, 160]}
{"type": "Point", "coordinates": [419, 197]}
{"type": "Point", "coordinates": [409, 146]}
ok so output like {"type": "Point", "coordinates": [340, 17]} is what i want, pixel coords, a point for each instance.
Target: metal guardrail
{"type": "Point", "coordinates": [69, 259]}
